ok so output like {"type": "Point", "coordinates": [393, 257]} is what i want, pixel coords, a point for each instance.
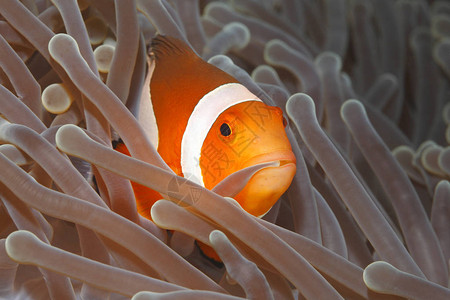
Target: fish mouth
{"type": "Point", "coordinates": [267, 185]}
{"type": "Point", "coordinates": [284, 162]}
{"type": "Point", "coordinates": [285, 157]}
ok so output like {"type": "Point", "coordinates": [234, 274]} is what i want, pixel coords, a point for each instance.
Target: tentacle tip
{"type": "Point", "coordinates": [64, 136]}
{"type": "Point", "coordinates": [56, 99]}
{"type": "Point", "coordinates": [142, 295]}
{"type": "Point", "coordinates": [375, 275]}
{"type": "Point", "coordinates": [219, 60]}
{"type": "Point", "coordinates": [208, 10]}
{"type": "Point", "coordinates": [329, 60]}
{"type": "Point", "coordinates": [349, 106]}
{"type": "Point", "coordinates": [216, 235]}
{"type": "Point", "coordinates": [158, 211]}
{"type": "Point", "coordinates": [442, 184]}
{"type": "Point", "coordinates": [14, 244]}
{"type": "Point", "coordinates": [303, 101]}
{"type": "Point", "coordinates": [241, 31]}
{"type": "Point", "coordinates": [59, 44]}
{"type": "Point", "coordinates": [271, 46]}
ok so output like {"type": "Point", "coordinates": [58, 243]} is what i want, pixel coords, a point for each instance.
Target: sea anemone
{"type": "Point", "coordinates": [364, 85]}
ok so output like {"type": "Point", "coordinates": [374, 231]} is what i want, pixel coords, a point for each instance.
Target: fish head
{"type": "Point", "coordinates": [244, 135]}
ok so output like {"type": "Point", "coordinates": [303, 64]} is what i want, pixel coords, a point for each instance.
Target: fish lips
{"type": "Point", "coordinates": [266, 186]}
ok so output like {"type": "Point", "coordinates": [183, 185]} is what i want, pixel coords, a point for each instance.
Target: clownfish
{"type": "Point", "coordinates": [206, 126]}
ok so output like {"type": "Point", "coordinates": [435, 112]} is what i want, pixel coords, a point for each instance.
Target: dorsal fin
{"type": "Point", "coordinates": [162, 46]}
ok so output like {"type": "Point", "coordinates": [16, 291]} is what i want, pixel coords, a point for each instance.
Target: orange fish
{"type": "Point", "coordinates": [206, 126]}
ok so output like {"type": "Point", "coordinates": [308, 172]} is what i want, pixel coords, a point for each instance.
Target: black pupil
{"type": "Point", "coordinates": [225, 129]}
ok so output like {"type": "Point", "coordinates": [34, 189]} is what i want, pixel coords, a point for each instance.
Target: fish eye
{"type": "Point", "coordinates": [285, 122]}
{"type": "Point", "coordinates": [225, 129]}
